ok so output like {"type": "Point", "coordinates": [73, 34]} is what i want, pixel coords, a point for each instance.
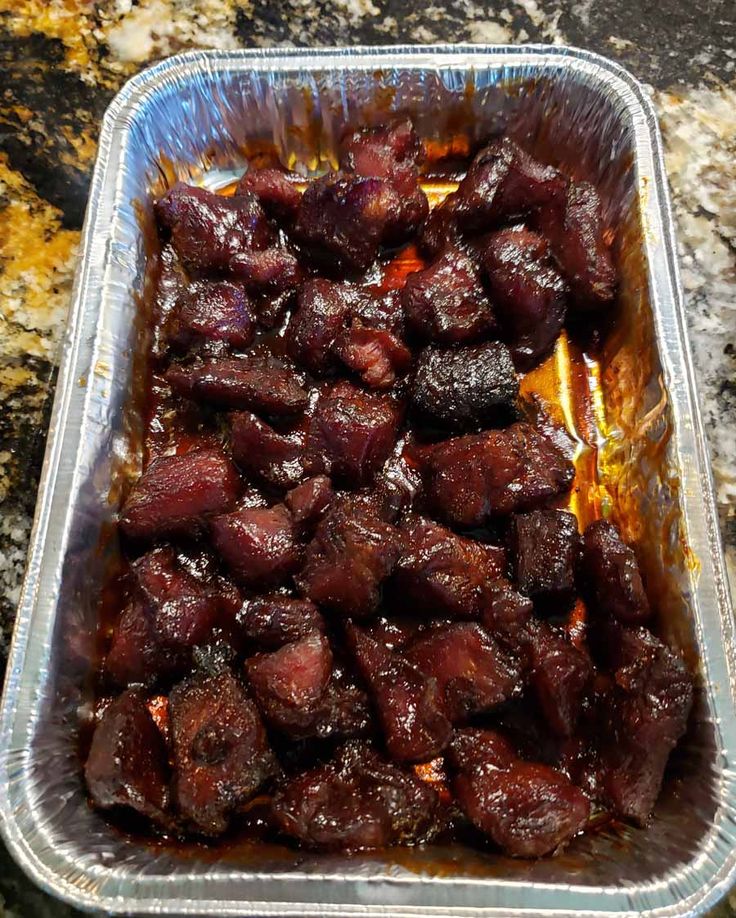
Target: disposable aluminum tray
{"type": "Point", "coordinates": [196, 116]}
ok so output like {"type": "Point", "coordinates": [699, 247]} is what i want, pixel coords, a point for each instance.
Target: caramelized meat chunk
{"type": "Point", "coordinates": [257, 382]}
{"type": "Point", "coordinates": [356, 801]}
{"type": "Point", "coordinates": [527, 809]}
{"type": "Point", "coordinates": [440, 572]}
{"type": "Point", "coordinates": [470, 479]}
{"type": "Point", "coordinates": [323, 309]}
{"type": "Point", "coordinates": [408, 703]}
{"type": "Point", "coordinates": [446, 302]}
{"type": "Point", "coordinates": [611, 575]}
{"type": "Point", "coordinates": [128, 763]}
{"type": "Point", "coordinates": [574, 228]}
{"type": "Point", "coordinates": [136, 654]}
{"type": "Point", "coordinates": [277, 194]}
{"type": "Point", "coordinates": [308, 502]}
{"type": "Point", "coordinates": [506, 613]}
{"type": "Point", "coordinates": [467, 387]}
{"type": "Point", "coordinates": [529, 295]}
{"type": "Point", "coordinates": [174, 493]}
{"type": "Point", "coordinates": [472, 673]}
{"type": "Point", "coordinates": [544, 548]}
{"type": "Point", "coordinates": [352, 553]}
{"type": "Point", "coordinates": [355, 432]}
{"type": "Point", "coordinates": [376, 355]}
{"type": "Point", "coordinates": [212, 311]}
{"type": "Point", "coordinates": [275, 620]}
{"type": "Point", "coordinates": [259, 545]}
{"type": "Point", "coordinates": [221, 752]}
{"type": "Point", "coordinates": [277, 459]}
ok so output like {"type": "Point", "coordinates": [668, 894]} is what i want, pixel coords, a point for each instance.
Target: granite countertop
{"type": "Point", "coordinates": [63, 60]}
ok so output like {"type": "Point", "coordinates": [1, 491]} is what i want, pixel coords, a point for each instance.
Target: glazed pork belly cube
{"type": "Point", "coordinates": [259, 545]}
{"type": "Point", "coordinates": [277, 619]}
{"type": "Point", "coordinates": [354, 431]}
{"type": "Point", "coordinates": [212, 232]}
{"type": "Point", "coordinates": [467, 387]}
{"type": "Point", "coordinates": [648, 709]}
{"type": "Point", "coordinates": [352, 553]}
{"type": "Point", "coordinates": [446, 302]}
{"type": "Point", "coordinates": [574, 227]}
{"type": "Point", "coordinates": [529, 295]}
{"type": "Point", "coordinates": [175, 493]}
{"type": "Point", "coordinates": [356, 801]}
{"type": "Point", "coordinates": [440, 572]}
{"type": "Point", "coordinates": [408, 703]}
{"type": "Point", "coordinates": [256, 382]}
{"type": "Point", "coordinates": [544, 546]}
{"type": "Point", "coordinates": [611, 575]}
{"type": "Point", "coordinates": [526, 808]}
{"type": "Point", "coordinates": [377, 356]}
{"type": "Point", "coordinates": [221, 752]}
{"type": "Point", "coordinates": [323, 310]}
{"type": "Point", "coordinates": [136, 654]}
{"type": "Point", "coordinates": [390, 152]}
{"type": "Point", "coordinates": [470, 479]}
{"type": "Point", "coordinates": [309, 501]}
{"type": "Point", "coordinates": [471, 671]}
{"type": "Point", "coordinates": [273, 458]}
{"type": "Point", "coordinates": [127, 764]}
{"type": "Point", "coordinates": [276, 192]}
{"type": "Point", "coordinates": [212, 312]}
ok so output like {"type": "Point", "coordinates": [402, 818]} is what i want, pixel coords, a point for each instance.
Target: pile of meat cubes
{"type": "Point", "coordinates": [348, 586]}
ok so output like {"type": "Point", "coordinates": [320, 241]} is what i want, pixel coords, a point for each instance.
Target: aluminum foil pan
{"type": "Point", "coordinates": [198, 115]}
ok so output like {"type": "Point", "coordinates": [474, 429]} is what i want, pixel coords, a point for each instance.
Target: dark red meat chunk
{"type": "Point", "coordinates": [544, 546]}
{"type": "Point", "coordinates": [394, 631]}
{"type": "Point", "coordinates": [212, 311]}
{"type": "Point", "coordinates": [440, 572]}
{"type": "Point", "coordinates": [506, 613]}
{"type": "Point", "coordinates": [526, 808]}
{"type": "Point", "coordinates": [611, 575]}
{"type": "Point", "coordinates": [308, 502]}
{"type": "Point", "coordinates": [259, 545]}
{"type": "Point", "coordinates": [470, 479]}
{"type": "Point", "coordinates": [473, 748]}
{"type": "Point", "coordinates": [648, 710]}
{"type": "Point", "coordinates": [323, 310]}
{"type": "Point", "coordinates": [376, 355]}
{"type": "Point", "coordinates": [276, 192]}
{"type": "Point", "coordinates": [275, 620]}
{"type": "Point", "coordinates": [529, 295]}
{"type": "Point", "coordinates": [128, 763]}
{"type": "Point", "coordinates": [257, 382]}
{"type": "Point", "coordinates": [221, 752]}
{"type": "Point", "coordinates": [408, 703]}
{"type": "Point", "coordinates": [472, 673]}
{"type": "Point", "coordinates": [356, 801]}
{"type": "Point", "coordinates": [277, 459]}
{"type": "Point", "coordinates": [354, 431]}
{"type": "Point", "coordinates": [136, 654]}
{"type": "Point", "coordinates": [446, 302]}
{"type": "Point", "coordinates": [352, 553]}
{"type": "Point", "coordinates": [466, 387]}
{"type": "Point", "coordinates": [174, 493]}
{"type": "Point", "coordinates": [574, 227]}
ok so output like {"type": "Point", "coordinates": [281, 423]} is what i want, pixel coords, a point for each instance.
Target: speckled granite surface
{"type": "Point", "coordinates": [63, 60]}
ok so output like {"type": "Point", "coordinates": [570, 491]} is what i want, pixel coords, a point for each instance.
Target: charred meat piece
{"type": "Point", "coordinates": [470, 479]}
{"type": "Point", "coordinates": [527, 809]}
{"type": "Point", "coordinates": [446, 302]}
{"type": "Point", "coordinates": [560, 674]}
{"type": "Point", "coordinates": [343, 219]}
{"type": "Point", "coordinates": [440, 572]}
{"type": "Point", "coordinates": [308, 502]}
{"type": "Point", "coordinates": [376, 355]}
{"type": "Point", "coordinates": [257, 382]}
{"type": "Point", "coordinates": [506, 613]}
{"type": "Point", "coordinates": [275, 620]}
{"type": "Point", "coordinates": [441, 230]}
{"type": "Point", "coordinates": [128, 762]}
{"type": "Point", "coordinates": [212, 311]}
{"type": "Point", "coordinates": [611, 575]}
{"type": "Point", "coordinates": [174, 493]}
{"type": "Point", "coordinates": [323, 310]}
{"type": "Point", "coordinates": [574, 228]}
{"type": "Point", "coordinates": [277, 459]}
{"type": "Point", "coordinates": [648, 709]}
{"type": "Point", "coordinates": [408, 703]}
{"type": "Point", "coordinates": [352, 553]}
{"type": "Point", "coordinates": [529, 295]}
{"type": "Point", "coordinates": [356, 801]}
{"type": "Point", "coordinates": [354, 431]}
{"type": "Point", "coordinates": [467, 387]}
{"type": "Point", "coordinates": [544, 546]}
{"type": "Point", "coordinates": [259, 545]}
{"type": "Point", "coordinates": [136, 654]}
{"type": "Point", "coordinates": [472, 673]}
{"type": "Point", "coordinates": [277, 194]}
{"type": "Point", "coordinates": [221, 752]}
